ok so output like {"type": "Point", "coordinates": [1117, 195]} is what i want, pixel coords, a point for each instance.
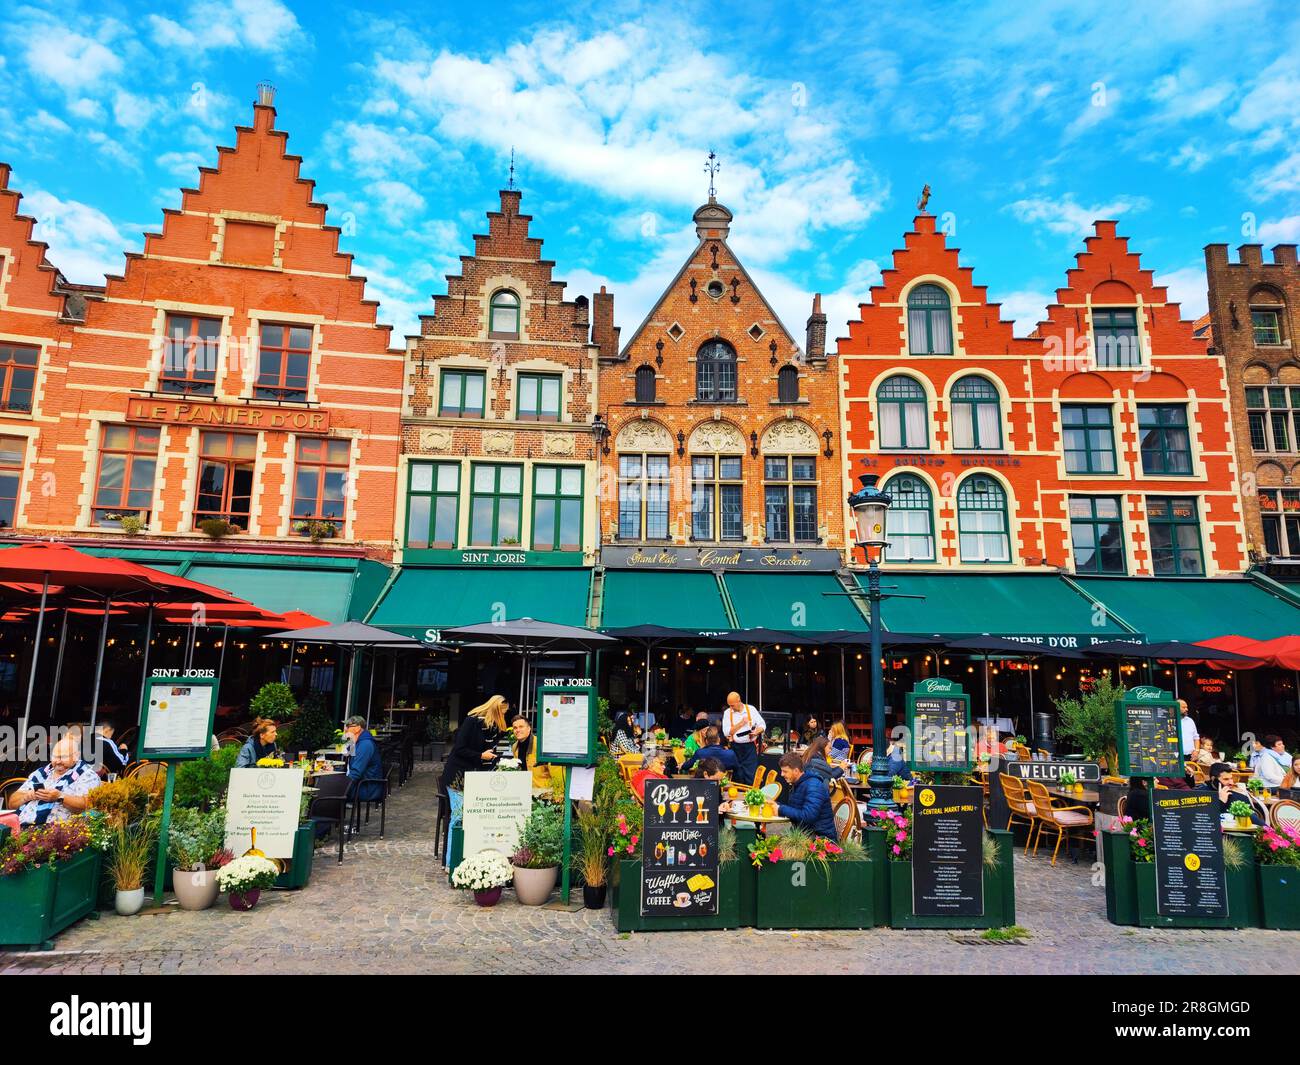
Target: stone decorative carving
{"type": "Point", "coordinates": [717, 438]}
{"type": "Point", "coordinates": [643, 435]}
{"type": "Point", "coordinates": [790, 437]}
{"type": "Point", "coordinates": [499, 442]}
{"type": "Point", "coordinates": [434, 438]}
{"type": "Point", "coordinates": [557, 444]}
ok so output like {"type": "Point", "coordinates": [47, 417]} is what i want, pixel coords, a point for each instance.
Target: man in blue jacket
{"type": "Point", "coordinates": [713, 749]}
{"type": "Point", "coordinates": [809, 803]}
{"type": "Point", "coordinates": [366, 768]}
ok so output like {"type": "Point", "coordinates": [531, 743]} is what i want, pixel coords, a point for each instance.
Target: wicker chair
{"type": "Point", "coordinates": [844, 809]}
{"type": "Point", "coordinates": [8, 787]}
{"type": "Point", "coordinates": [1066, 820]}
{"type": "Point", "coordinates": [1020, 806]}
{"type": "Point", "coordinates": [1285, 812]}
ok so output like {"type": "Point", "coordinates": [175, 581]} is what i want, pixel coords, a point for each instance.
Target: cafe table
{"type": "Point", "coordinates": [772, 826]}
{"type": "Point", "coordinates": [1086, 798]}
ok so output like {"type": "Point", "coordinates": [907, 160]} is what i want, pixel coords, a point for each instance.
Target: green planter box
{"type": "Point", "coordinates": [1279, 896]}
{"type": "Point", "coordinates": [299, 871]}
{"type": "Point", "coordinates": [625, 894]}
{"type": "Point", "coordinates": [1121, 878]}
{"type": "Point", "coordinates": [40, 903]}
{"type": "Point", "coordinates": [999, 893]}
{"type": "Point", "coordinates": [1243, 900]}
{"type": "Point", "coordinates": [806, 895]}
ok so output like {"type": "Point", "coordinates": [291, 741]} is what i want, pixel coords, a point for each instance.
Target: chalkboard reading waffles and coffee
{"type": "Point", "coordinates": [679, 857]}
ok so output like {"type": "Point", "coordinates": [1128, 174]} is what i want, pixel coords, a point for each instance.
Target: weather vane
{"type": "Point", "coordinates": [511, 185]}
{"type": "Point", "coordinates": [711, 168]}
{"type": "Point", "coordinates": [924, 201]}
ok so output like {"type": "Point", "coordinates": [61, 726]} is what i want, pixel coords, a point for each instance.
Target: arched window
{"type": "Point", "coordinates": [982, 527]}
{"type": "Point", "coordinates": [787, 385]}
{"type": "Point", "coordinates": [645, 384]}
{"type": "Point", "coordinates": [504, 317]}
{"type": "Point", "coordinates": [929, 321]}
{"type": "Point", "coordinates": [909, 522]}
{"type": "Point", "coordinates": [902, 414]}
{"type": "Point", "coordinates": [715, 373]}
{"type": "Point", "coordinates": [976, 415]}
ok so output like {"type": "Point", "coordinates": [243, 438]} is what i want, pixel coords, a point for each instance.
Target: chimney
{"type": "Point", "coordinates": [580, 320]}
{"type": "Point", "coordinates": [604, 334]}
{"type": "Point", "coordinates": [816, 345]}
{"type": "Point", "coordinates": [265, 94]}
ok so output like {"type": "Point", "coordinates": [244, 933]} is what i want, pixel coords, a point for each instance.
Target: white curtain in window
{"type": "Point", "coordinates": [915, 416]}
{"type": "Point", "coordinates": [990, 430]}
{"type": "Point", "coordinates": [890, 426]}
{"type": "Point", "coordinates": [941, 332]}
{"type": "Point", "coordinates": [963, 426]}
{"type": "Point", "coordinates": [916, 330]}
{"type": "Point", "coordinates": [983, 537]}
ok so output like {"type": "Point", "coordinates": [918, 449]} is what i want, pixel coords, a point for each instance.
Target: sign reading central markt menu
{"type": "Point", "coordinates": [938, 720]}
{"type": "Point", "coordinates": [1147, 730]}
{"type": "Point", "coordinates": [679, 857]}
{"type": "Point", "coordinates": [1190, 878]}
{"type": "Point", "coordinates": [948, 851]}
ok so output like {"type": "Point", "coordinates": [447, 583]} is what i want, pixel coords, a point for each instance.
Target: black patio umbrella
{"type": "Point", "coordinates": [526, 637]}
{"type": "Point", "coordinates": [889, 641]}
{"type": "Point", "coordinates": [988, 644]}
{"type": "Point", "coordinates": [649, 637]}
{"type": "Point", "coordinates": [1169, 650]}
{"type": "Point", "coordinates": [355, 636]}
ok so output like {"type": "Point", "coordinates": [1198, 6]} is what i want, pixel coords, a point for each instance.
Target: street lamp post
{"type": "Point", "coordinates": [870, 505]}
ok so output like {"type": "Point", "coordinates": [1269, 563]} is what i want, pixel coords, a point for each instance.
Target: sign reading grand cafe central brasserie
{"type": "Point", "coordinates": [712, 559]}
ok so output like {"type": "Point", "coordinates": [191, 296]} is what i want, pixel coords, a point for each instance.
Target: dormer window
{"type": "Point", "coordinates": [504, 315]}
{"type": "Point", "coordinates": [929, 321]}
{"type": "Point", "coordinates": [645, 384]}
{"type": "Point", "coordinates": [787, 385]}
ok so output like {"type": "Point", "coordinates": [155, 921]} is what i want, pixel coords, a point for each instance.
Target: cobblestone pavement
{"type": "Point", "coordinates": [388, 909]}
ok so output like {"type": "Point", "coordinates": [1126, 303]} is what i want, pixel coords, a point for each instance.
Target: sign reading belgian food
{"type": "Point", "coordinates": [679, 862]}
{"type": "Point", "coordinates": [948, 851]}
{"type": "Point", "coordinates": [938, 721]}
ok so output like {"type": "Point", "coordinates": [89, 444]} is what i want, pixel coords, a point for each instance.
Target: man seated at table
{"type": "Point", "coordinates": [58, 790]}
{"type": "Point", "coordinates": [710, 769]}
{"type": "Point", "coordinates": [366, 770]}
{"type": "Point", "coordinates": [808, 805]}
{"type": "Point", "coordinates": [110, 759]}
{"type": "Point", "coordinates": [545, 777]}
{"type": "Point", "coordinates": [652, 768]}
{"type": "Point", "coordinates": [1270, 762]}
{"type": "Point", "coordinates": [1223, 783]}
{"type": "Point", "coordinates": [713, 749]}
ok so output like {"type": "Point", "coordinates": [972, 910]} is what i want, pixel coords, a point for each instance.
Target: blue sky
{"type": "Point", "coordinates": [1028, 121]}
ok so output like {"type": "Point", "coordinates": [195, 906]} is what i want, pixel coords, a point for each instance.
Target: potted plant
{"type": "Point", "coordinates": [49, 879]}
{"type": "Point", "coordinates": [594, 851]}
{"type": "Point", "coordinates": [132, 524]}
{"type": "Point", "coordinates": [1277, 853]}
{"type": "Point", "coordinates": [216, 528]}
{"type": "Point", "coordinates": [245, 878]}
{"type": "Point", "coordinates": [536, 862]}
{"type": "Point", "coordinates": [128, 859]}
{"type": "Point", "coordinates": [902, 791]}
{"type": "Point", "coordinates": [485, 874]}
{"type": "Point", "coordinates": [1242, 811]}
{"type": "Point", "coordinates": [1089, 720]}
{"type": "Point", "coordinates": [806, 881]}
{"type": "Point", "coordinates": [316, 531]}
{"type": "Point", "coordinates": [120, 801]}
{"type": "Point", "coordinates": [1256, 787]}
{"type": "Point", "coordinates": [274, 701]}
{"type": "Point", "coordinates": [755, 800]}
{"type": "Point", "coordinates": [195, 846]}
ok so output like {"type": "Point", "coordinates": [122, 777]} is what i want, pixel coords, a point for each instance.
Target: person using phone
{"type": "Point", "coordinates": [58, 790]}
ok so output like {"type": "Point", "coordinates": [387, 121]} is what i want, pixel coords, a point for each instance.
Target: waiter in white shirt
{"type": "Point", "coordinates": [742, 724]}
{"type": "Point", "coordinates": [1191, 738]}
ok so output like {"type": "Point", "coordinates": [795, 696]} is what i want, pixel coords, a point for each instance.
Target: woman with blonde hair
{"type": "Point", "coordinates": [841, 746]}
{"type": "Point", "coordinates": [476, 739]}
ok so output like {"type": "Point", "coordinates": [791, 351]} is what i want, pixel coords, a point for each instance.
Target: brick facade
{"type": "Point", "coordinates": [249, 256]}
{"type": "Point", "coordinates": [488, 387]}
{"type": "Point", "coordinates": [991, 461]}
{"type": "Point", "coordinates": [712, 306]}
{"type": "Point", "coordinates": [1255, 315]}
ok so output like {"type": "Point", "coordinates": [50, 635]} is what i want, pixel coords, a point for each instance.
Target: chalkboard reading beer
{"type": "Point", "coordinates": [938, 718]}
{"type": "Point", "coordinates": [1147, 728]}
{"type": "Point", "coordinates": [679, 860]}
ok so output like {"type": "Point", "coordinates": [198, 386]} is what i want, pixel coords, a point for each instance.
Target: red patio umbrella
{"type": "Point", "coordinates": [1283, 652]}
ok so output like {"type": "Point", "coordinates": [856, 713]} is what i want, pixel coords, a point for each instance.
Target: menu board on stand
{"type": "Point", "coordinates": [948, 851]}
{"type": "Point", "coordinates": [1147, 723]}
{"type": "Point", "coordinates": [679, 849]}
{"type": "Point", "coordinates": [1190, 876]}
{"type": "Point", "coordinates": [566, 735]}
{"type": "Point", "coordinates": [938, 721]}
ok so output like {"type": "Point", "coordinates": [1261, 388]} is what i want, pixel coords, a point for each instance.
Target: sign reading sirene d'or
{"type": "Point", "coordinates": [712, 559]}
{"type": "Point", "coordinates": [234, 416]}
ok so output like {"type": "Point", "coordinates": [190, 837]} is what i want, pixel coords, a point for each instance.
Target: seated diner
{"type": "Point", "coordinates": [59, 789]}
{"type": "Point", "coordinates": [809, 803]}
{"type": "Point", "coordinates": [712, 749]}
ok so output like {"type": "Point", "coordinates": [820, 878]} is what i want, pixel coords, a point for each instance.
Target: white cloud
{"type": "Point", "coordinates": [72, 61]}
{"type": "Point", "coordinates": [1069, 218]}
{"type": "Point", "coordinates": [84, 242]}
{"type": "Point", "coordinates": [1187, 286]}
{"type": "Point", "coordinates": [265, 26]}
{"type": "Point", "coordinates": [374, 151]}
{"type": "Point", "coordinates": [1025, 308]}
{"type": "Point", "coordinates": [1283, 231]}
{"type": "Point", "coordinates": [1280, 179]}
{"type": "Point", "coordinates": [395, 201]}
{"type": "Point", "coordinates": [1191, 156]}
{"type": "Point", "coordinates": [183, 165]}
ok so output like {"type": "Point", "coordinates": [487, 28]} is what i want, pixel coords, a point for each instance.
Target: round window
{"type": "Point", "coordinates": [716, 289]}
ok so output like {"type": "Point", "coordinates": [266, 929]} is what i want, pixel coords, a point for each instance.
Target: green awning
{"type": "Point", "coordinates": [674, 600]}
{"type": "Point", "coordinates": [424, 598]}
{"type": "Point", "coordinates": [1013, 605]}
{"type": "Point", "coordinates": [1195, 609]}
{"type": "Point", "coordinates": [793, 602]}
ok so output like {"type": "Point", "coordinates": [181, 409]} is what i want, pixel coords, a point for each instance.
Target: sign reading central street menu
{"type": "Point", "coordinates": [679, 857]}
{"type": "Point", "coordinates": [948, 851]}
{"type": "Point", "coordinates": [938, 721]}
{"type": "Point", "coordinates": [1190, 878]}
{"type": "Point", "coordinates": [1147, 731]}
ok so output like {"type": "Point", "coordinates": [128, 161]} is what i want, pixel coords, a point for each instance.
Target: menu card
{"type": "Point", "coordinates": [1190, 877]}
{"type": "Point", "coordinates": [679, 863]}
{"type": "Point", "coordinates": [948, 851]}
{"type": "Point", "coordinates": [939, 733]}
{"type": "Point", "coordinates": [1152, 739]}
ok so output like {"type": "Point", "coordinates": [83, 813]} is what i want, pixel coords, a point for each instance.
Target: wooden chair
{"type": "Point", "coordinates": [1019, 805]}
{"type": "Point", "coordinates": [8, 788]}
{"type": "Point", "coordinates": [1022, 752]}
{"type": "Point", "coordinates": [1121, 806]}
{"type": "Point", "coordinates": [1114, 780]}
{"type": "Point", "coordinates": [1067, 821]}
{"type": "Point", "coordinates": [770, 778]}
{"type": "Point", "coordinates": [844, 810]}
{"type": "Point", "coordinates": [153, 775]}
{"type": "Point", "coordinates": [760, 777]}
{"type": "Point", "coordinates": [1285, 812]}
{"type": "Point", "coordinates": [1044, 755]}
{"type": "Point", "coordinates": [1196, 771]}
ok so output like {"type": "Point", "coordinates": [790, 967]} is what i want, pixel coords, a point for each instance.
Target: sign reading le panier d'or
{"type": "Point", "coordinates": [1190, 877]}
{"type": "Point", "coordinates": [1147, 730]}
{"type": "Point", "coordinates": [710, 559]}
{"type": "Point", "coordinates": [679, 856]}
{"type": "Point", "coordinates": [228, 415]}
{"type": "Point", "coordinates": [948, 851]}
{"type": "Point", "coordinates": [176, 715]}
{"type": "Point", "coordinates": [566, 722]}
{"type": "Point", "coordinates": [268, 800]}
{"type": "Point", "coordinates": [938, 720]}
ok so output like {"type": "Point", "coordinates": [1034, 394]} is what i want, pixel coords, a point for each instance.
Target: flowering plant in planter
{"type": "Point", "coordinates": [249, 873]}
{"type": "Point", "coordinates": [1139, 838]}
{"type": "Point", "coordinates": [628, 838]}
{"type": "Point", "coordinates": [194, 838]}
{"type": "Point", "coordinates": [483, 872]}
{"type": "Point", "coordinates": [1278, 846]}
{"type": "Point", "coordinates": [765, 849]}
{"type": "Point", "coordinates": [270, 763]}
{"type": "Point", "coordinates": [754, 797]}
{"type": "Point", "coordinates": [898, 833]}
{"type": "Point", "coordinates": [44, 844]}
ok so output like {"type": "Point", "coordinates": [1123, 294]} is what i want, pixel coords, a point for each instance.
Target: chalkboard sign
{"type": "Point", "coordinates": [1147, 722]}
{"type": "Point", "coordinates": [938, 721]}
{"type": "Point", "coordinates": [1190, 878]}
{"type": "Point", "coordinates": [948, 851]}
{"type": "Point", "coordinates": [679, 857]}
{"type": "Point", "coordinates": [1050, 772]}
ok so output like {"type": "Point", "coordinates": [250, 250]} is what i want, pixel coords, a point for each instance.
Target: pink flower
{"type": "Point", "coordinates": [1142, 843]}
{"type": "Point", "coordinates": [634, 839]}
{"type": "Point", "coordinates": [611, 852]}
{"type": "Point", "coordinates": [630, 848]}
{"type": "Point", "coordinates": [898, 849]}
{"type": "Point", "coordinates": [900, 836]}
